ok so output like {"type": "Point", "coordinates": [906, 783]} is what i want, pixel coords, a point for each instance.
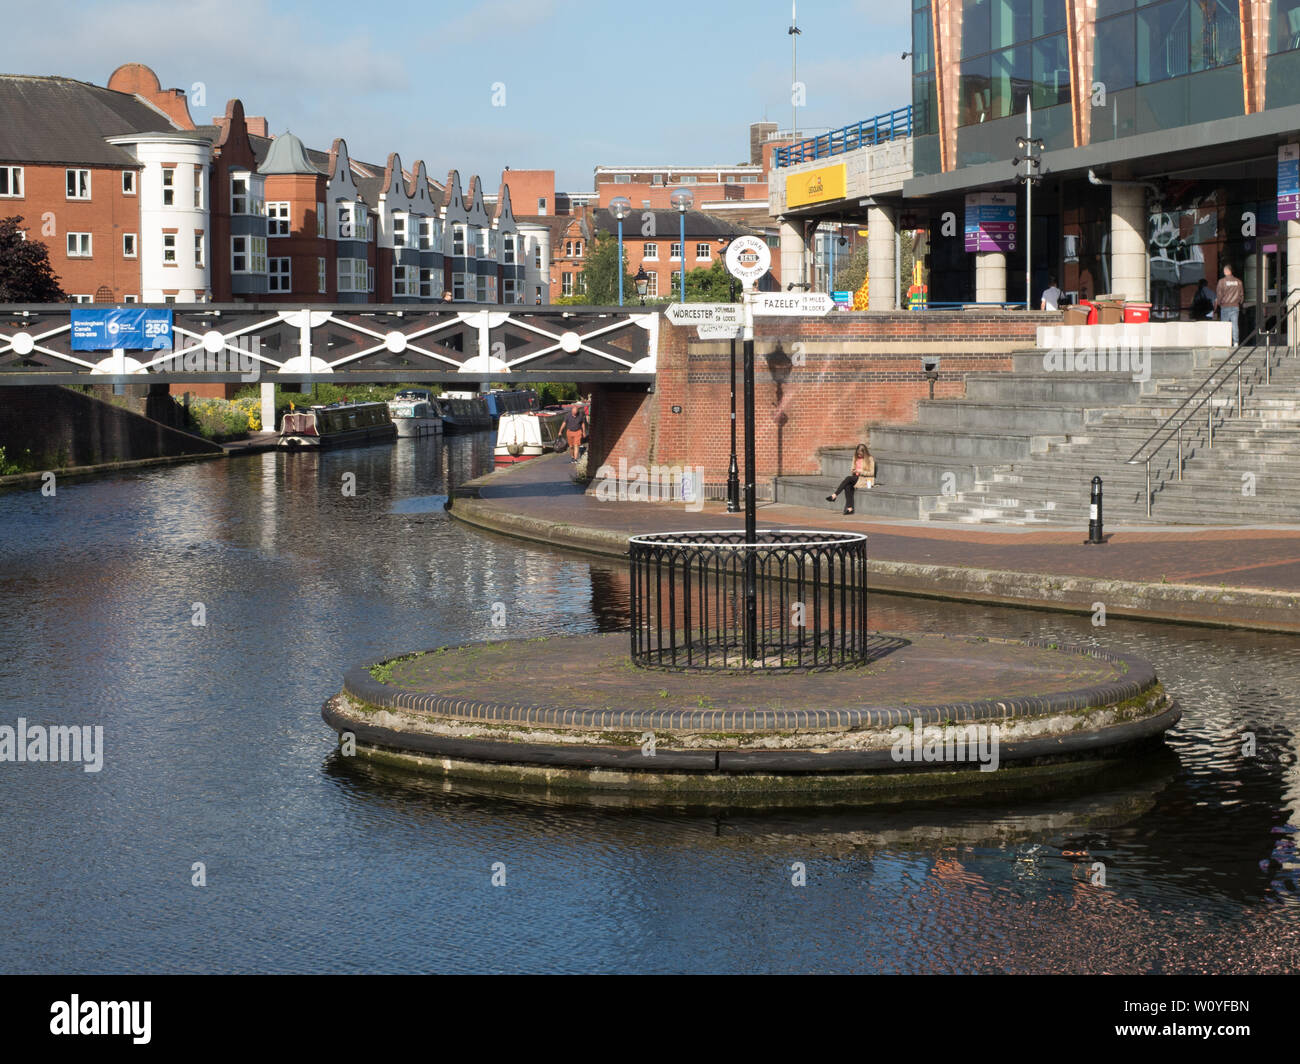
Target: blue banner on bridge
{"type": "Point", "coordinates": [114, 327]}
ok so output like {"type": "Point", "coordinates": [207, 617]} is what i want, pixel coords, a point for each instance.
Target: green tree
{"type": "Point", "coordinates": [25, 273]}
{"type": "Point", "coordinates": [712, 285]}
{"type": "Point", "coordinates": [849, 278]}
{"type": "Point", "coordinates": [601, 275]}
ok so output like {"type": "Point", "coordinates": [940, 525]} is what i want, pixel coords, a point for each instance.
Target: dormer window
{"type": "Point", "coordinates": [399, 230]}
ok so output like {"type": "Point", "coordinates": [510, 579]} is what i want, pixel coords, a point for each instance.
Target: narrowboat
{"type": "Point", "coordinates": [524, 436]}
{"type": "Point", "coordinates": [337, 425]}
{"type": "Point", "coordinates": [515, 401]}
{"type": "Point", "coordinates": [414, 413]}
{"type": "Point", "coordinates": [463, 412]}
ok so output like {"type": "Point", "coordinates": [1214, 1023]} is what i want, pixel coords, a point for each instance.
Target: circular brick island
{"type": "Point", "coordinates": [929, 716]}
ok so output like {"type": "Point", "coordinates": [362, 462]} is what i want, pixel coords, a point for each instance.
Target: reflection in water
{"type": "Point", "coordinates": [215, 752]}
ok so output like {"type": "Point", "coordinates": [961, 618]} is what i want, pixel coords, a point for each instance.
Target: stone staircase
{"type": "Point", "coordinates": [1023, 447]}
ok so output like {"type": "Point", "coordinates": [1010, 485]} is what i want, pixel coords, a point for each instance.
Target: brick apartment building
{"type": "Point", "coordinates": [137, 202]}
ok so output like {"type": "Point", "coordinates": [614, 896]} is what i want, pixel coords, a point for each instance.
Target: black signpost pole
{"type": "Point", "coordinates": [733, 471]}
{"type": "Point", "coordinates": [751, 517]}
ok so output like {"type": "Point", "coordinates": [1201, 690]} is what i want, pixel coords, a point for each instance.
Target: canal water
{"type": "Point", "coordinates": [217, 766]}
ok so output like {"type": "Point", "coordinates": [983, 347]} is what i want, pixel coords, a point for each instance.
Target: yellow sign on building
{"type": "Point", "coordinates": [816, 186]}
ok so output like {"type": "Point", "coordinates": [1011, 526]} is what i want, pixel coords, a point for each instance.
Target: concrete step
{"type": "Point", "coordinates": [975, 447]}
{"type": "Point", "coordinates": [876, 502]}
{"type": "Point", "coordinates": [1051, 388]}
{"type": "Point", "coordinates": [958, 415]}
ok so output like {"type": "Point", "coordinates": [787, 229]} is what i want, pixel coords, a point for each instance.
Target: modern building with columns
{"type": "Point", "coordinates": [1162, 125]}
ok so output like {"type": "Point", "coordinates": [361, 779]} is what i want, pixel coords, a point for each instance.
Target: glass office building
{"type": "Point", "coordinates": [1177, 109]}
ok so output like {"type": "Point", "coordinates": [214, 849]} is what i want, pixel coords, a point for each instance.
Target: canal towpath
{"type": "Point", "coordinates": [1232, 577]}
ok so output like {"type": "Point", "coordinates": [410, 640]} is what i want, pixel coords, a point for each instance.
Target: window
{"type": "Point", "coordinates": [426, 234]}
{"type": "Point", "coordinates": [541, 204]}
{"type": "Point", "coordinates": [622, 179]}
{"type": "Point", "coordinates": [582, 283]}
{"type": "Point", "coordinates": [458, 287]}
{"type": "Point", "coordinates": [78, 245]}
{"type": "Point", "coordinates": [169, 186]}
{"type": "Point", "coordinates": [458, 240]}
{"type": "Point", "coordinates": [370, 278]}
{"type": "Point", "coordinates": [78, 184]}
{"type": "Point", "coordinates": [353, 222]}
{"type": "Point", "coordinates": [566, 284]}
{"type": "Point", "coordinates": [577, 249]}
{"type": "Point", "coordinates": [130, 299]}
{"type": "Point", "coordinates": [277, 219]}
{"type": "Point", "coordinates": [405, 281]}
{"type": "Point", "coordinates": [200, 256]}
{"type": "Point", "coordinates": [749, 179]}
{"type": "Point", "coordinates": [11, 181]}
{"type": "Point", "coordinates": [658, 179]}
{"type": "Point", "coordinates": [320, 222]}
{"type": "Point", "coordinates": [128, 182]}
{"type": "Point", "coordinates": [703, 252]}
{"type": "Point", "coordinates": [537, 295]}
{"type": "Point", "coordinates": [129, 250]}
{"type": "Point", "coordinates": [674, 251]}
{"type": "Point", "coordinates": [485, 290]}
{"type": "Point", "coordinates": [320, 274]}
{"type": "Point", "coordinates": [426, 284]}
{"type": "Point", "coordinates": [169, 299]}
{"type": "Point", "coordinates": [198, 188]}
{"type": "Point", "coordinates": [652, 289]}
{"type": "Point", "coordinates": [509, 293]}
{"type": "Point", "coordinates": [651, 251]}
{"type": "Point", "coordinates": [81, 299]}
{"type": "Point", "coordinates": [352, 275]}
{"type": "Point", "coordinates": [688, 180]}
{"type": "Point", "coordinates": [399, 230]}
{"type": "Point", "coordinates": [537, 256]}
{"type": "Point", "coordinates": [239, 198]}
{"type": "Point", "coordinates": [508, 250]}
{"type": "Point", "coordinates": [169, 249]}
{"type": "Point", "coordinates": [485, 244]}
{"type": "Point", "coordinates": [248, 254]}
{"type": "Point", "coordinates": [280, 275]}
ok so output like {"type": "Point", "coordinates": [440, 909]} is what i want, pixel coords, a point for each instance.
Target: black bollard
{"type": "Point", "coordinates": [1094, 516]}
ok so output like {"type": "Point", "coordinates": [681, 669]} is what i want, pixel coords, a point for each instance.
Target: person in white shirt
{"type": "Point", "coordinates": [1051, 296]}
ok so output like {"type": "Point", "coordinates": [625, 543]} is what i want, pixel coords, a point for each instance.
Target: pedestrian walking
{"type": "Point", "coordinates": [864, 468]}
{"type": "Point", "coordinates": [1051, 295]}
{"type": "Point", "coordinates": [1227, 301]}
{"type": "Point", "coordinates": [575, 423]}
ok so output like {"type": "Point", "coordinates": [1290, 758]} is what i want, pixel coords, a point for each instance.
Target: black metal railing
{"type": "Point", "coordinates": [1262, 338]}
{"type": "Point", "coordinates": [709, 600]}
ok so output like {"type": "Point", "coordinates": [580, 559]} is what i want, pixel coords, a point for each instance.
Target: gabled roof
{"type": "Point", "coordinates": [61, 120]}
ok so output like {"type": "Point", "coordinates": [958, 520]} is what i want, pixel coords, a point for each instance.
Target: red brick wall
{"type": "Point", "coordinates": [49, 216]}
{"type": "Point", "coordinates": [831, 399]}
{"type": "Point", "coordinates": [527, 186]}
{"type": "Point", "coordinates": [303, 247]}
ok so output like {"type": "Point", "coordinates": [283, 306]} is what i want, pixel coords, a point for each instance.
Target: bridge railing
{"type": "Point", "coordinates": [892, 125]}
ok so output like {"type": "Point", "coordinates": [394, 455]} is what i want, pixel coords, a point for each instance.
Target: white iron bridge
{"type": "Point", "coordinates": [280, 343]}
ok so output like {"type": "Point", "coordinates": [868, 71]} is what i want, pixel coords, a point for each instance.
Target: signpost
{"type": "Point", "coordinates": [719, 332]}
{"type": "Point", "coordinates": [748, 259]}
{"type": "Point", "coordinates": [792, 304]}
{"type": "Point", "coordinates": [704, 314]}
{"type": "Point", "coordinates": [991, 221]}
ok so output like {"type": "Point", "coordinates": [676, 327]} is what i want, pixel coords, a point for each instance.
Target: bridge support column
{"type": "Point", "coordinates": [793, 254]}
{"type": "Point", "coordinates": [268, 407]}
{"type": "Point", "coordinates": [882, 273]}
{"type": "Point", "coordinates": [1128, 242]}
{"type": "Point", "coordinates": [990, 277]}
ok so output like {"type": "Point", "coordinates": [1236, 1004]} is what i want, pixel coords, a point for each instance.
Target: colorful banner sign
{"type": "Point", "coordinates": [991, 221]}
{"type": "Point", "coordinates": [114, 328]}
{"type": "Point", "coordinates": [842, 299]}
{"type": "Point", "coordinates": [1288, 183]}
{"type": "Point", "coordinates": [817, 186]}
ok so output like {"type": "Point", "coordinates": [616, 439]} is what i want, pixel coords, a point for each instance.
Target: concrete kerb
{"type": "Point", "coordinates": [19, 481]}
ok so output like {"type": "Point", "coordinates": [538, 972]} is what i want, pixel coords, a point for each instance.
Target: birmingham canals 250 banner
{"type": "Point", "coordinates": [991, 221]}
{"type": "Point", "coordinates": [115, 328]}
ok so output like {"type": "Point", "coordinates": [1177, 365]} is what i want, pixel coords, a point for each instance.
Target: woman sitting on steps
{"type": "Point", "coordinates": [864, 465]}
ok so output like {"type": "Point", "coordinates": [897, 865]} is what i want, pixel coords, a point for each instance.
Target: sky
{"type": "Point", "coordinates": [479, 85]}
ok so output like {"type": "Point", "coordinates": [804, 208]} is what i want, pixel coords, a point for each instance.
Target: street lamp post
{"type": "Point", "coordinates": [682, 201]}
{"type": "Point", "coordinates": [621, 207]}
{"type": "Point", "coordinates": [1032, 176]}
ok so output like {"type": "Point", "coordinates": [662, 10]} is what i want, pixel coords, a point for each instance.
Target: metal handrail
{"type": "Point", "coordinates": [883, 127]}
{"type": "Point", "coordinates": [1243, 352]}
